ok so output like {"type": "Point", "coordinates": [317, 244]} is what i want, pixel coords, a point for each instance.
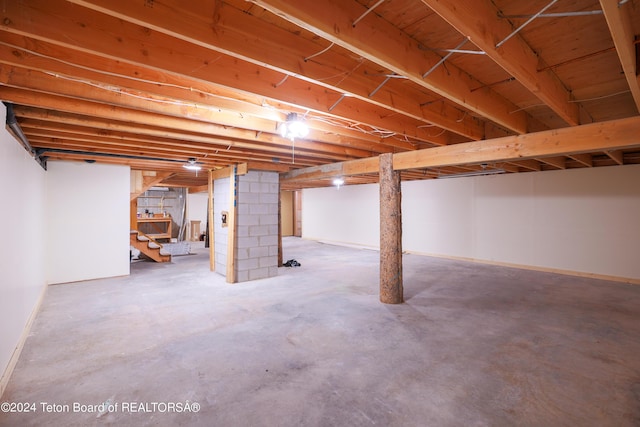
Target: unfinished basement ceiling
{"type": "Point", "coordinates": [151, 83]}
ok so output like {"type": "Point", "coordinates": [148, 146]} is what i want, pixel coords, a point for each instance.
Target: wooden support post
{"type": "Point", "coordinates": [231, 221]}
{"type": "Point", "coordinates": [211, 225]}
{"type": "Point", "coordinates": [391, 291]}
{"type": "Point", "coordinates": [133, 214]}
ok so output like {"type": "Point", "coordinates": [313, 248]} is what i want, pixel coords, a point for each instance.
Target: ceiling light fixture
{"type": "Point", "coordinates": [338, 182]}
{"type": "Point", "coordinates": [293, 127]}
{"type": "Point", "coordinates": [192, 165]}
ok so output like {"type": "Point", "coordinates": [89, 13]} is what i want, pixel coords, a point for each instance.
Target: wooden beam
{"type": "Point", "coordinates": [380, 42]}
{"type": "Point", "coordinates": [136, 48]}
{"type": "Point", "coordinates": [268, 166]}
{"type": "Point", "coordinates": [151, 140]}
{"type": "Point", "coordinates": [198, 189]}
{"type": "Point", "coordinates": [174, 113]}
{"type": "Point", "coordinates": [283, 51]}
{"type": "Point", "coordinates": [240, 169]}
{"type": "Point", "coordinates": [617, 16]}
{"type": "Point", "coordinates": [231, 228]}
{"type": "Point", "coordinates": [481, 21]}
{"type": "Point", "coordinates": [391, 287]}
{"type": "Point", "coordinates": [133, 214]}
{"type": "Point", "coordinates": [297, 213]}
{"type": "Point", "coordinates": [348, 168]}
{"type": "Point", "coordinates": [602, 136]}
{"type": "Point", "coordinates": [145, 180]}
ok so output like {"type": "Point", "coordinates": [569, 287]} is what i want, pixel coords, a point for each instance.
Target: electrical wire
{"type": "Point", "coordinates": [601, 97]}
{"type": "Point", "coordinates": [136, 79]}
{"type": "Point", "coordinates": [372, 131]}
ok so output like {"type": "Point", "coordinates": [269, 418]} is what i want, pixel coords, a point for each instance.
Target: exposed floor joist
{"type": "Point", "coordinates": [153, 84]}
{"type": "Point", "coordinates": [471, 17]}
{"type": "Point", "coordinates": [623, 36]}
{"type": "Point", "coordinates": [376, 40]}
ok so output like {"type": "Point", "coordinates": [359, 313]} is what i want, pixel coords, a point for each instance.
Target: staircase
{"type": "Point", "coordinates": [148, 246]}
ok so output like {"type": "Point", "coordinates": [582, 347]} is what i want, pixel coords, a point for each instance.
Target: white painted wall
{"type": "Point", "coordinates": [349, 215]}
{"type": "Point", "coordinates": [581, 220]}
{"type": "Point", "coordinates": [221, 199]}
{"type": "Point", "coordinates": [197, 211]}
{"type": "Point", "coordinates": [87, 221]}
{"type": "Point", "coordinates": [22, 253]}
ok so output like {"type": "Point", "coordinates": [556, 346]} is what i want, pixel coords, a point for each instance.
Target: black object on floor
{"type": "Point", "coordinates": [292, 263]}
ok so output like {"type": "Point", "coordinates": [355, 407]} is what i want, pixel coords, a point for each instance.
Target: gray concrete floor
{"type": "Point", "coordinates": [473, 345]}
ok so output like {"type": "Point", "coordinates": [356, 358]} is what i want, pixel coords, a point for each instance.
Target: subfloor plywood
{"type": "Point", "coordinates": [472, 345]}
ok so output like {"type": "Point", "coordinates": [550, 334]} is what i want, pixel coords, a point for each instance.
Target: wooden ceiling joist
{"type": "Point", "coordinates": [472, 17]}
{"type": "Point", "coordinates": [236, 137]}
{"type": "Point", "coordinates": [282, 51]}
{"type": "Point", "coordinates": [151, 84]}
{"type": "Point", "coordinates": [617, 15]}
{"type": "Point", "coordinates": [201, 63]}
{"type": "Point", "coordinates": [232, 125]}
{"type": "Point", "coordinates": [378, 41]}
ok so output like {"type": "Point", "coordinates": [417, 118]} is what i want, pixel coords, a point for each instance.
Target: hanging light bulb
{"type": "Point", "coordinates": [192, 165]}
{"type": "Point", "coordinates": [293, 127]}
{"type": "Point", "coordinates": [338, 182]}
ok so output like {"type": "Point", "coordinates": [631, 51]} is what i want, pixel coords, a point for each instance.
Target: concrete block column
{"type": "Point", "coordinates": [256, 254]}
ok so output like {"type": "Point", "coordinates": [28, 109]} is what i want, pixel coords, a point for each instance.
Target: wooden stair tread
{"type": "Point", "coordinates": [149, 247]}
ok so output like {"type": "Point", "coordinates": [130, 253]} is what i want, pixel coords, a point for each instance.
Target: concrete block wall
{"type": "Point", "coordinates": [257, 226]}
{"type": "Point", "coordinates": [256, 222]}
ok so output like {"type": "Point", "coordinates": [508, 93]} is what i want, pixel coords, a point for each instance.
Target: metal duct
{"type": "Point", "coordinates": [12, 122]}
{"type": "Point", "coordinates": [41, 151]}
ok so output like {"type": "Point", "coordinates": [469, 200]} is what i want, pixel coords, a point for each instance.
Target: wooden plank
{"type": "Point", "coordinates": [240, 169]}
{"type": "Point", "coordinates": [231, 228]}
{"type": "Point", "coordinates": [616, 155]}
{"type": "Point", "coordinates": [211, 228]}
{"type": "Point", "coordinates": [268, 166]}
{"type": "Point", "coordinates": [297, 213]}
{"type": "Point", "coordinates": [474, 17]}
{"type": "Point", "coordinates": [380, 42]}
{"type": "Point", "coordinates": [602, 136]}
{"type": "Point", "coordinates": [348, 168]}
{"type": "Point", "coordinates": [584, 159]}
{"type": "Point", "coordinates": [173, 113]}
{"type": "Point", "coordinates": [533, 165]}
{"type": "Point", "coordinates": [133, 214]}
{"type": "Point", "coordinates": [139, 49]}
{"type": "Point", "coordinates": [148, 179]}
{"type": "Point", "coordinates": [391, 288]}
{"type": "Point", "coordinates": [617, 16]}
{"type": "Point", "coordinates": [198, 189]}
{"type": "Point", "coordinates": [281, 52]}
{"type": "Point", "coordinates": [559, 162]}
{"type": "Point", "coordinates": [113, 136]}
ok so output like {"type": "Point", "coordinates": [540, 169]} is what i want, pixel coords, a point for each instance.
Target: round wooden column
{"type": "Point", "coordinates": [391, 291]}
